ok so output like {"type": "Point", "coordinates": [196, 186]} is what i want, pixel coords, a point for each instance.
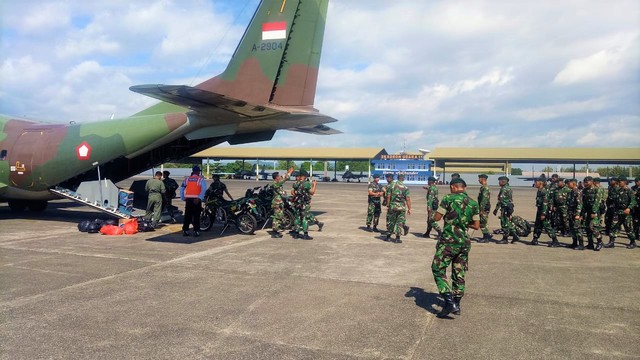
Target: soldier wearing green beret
{"type": "Point", "coordinates": [574, 207]}
{"type": "Point", "coordinates": [591, 211]}
{"type": "Point", "coordinates": [432, 206]}
{"type": "Point", "coordinates": [625, 204]}
{"type": "Point", "coordinates": [374, 208]}
{"type": "Point", "coordinates": [609, 200]}
{"type": "Point", "coordinates": [543, 215]}
{"type": "Point", "coordinates": [484, 202]}
{"type": "Point", "coordinates": [560, 207]}
{"type": "Point", "coordinates": [636, 214]}
{"type": "Point", "coordinates": [505, 204]}
{"type": "Point", "coordinates": [399, 206]}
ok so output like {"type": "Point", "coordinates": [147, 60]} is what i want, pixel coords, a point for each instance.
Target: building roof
{"type": "Point", "coordinates": [239, 153]}
{"type": "Point", "coordinates": [537, 155]}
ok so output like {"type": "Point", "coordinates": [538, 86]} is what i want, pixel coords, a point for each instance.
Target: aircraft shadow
{"type": "Point", "coordinates": [178, 238]}
{"type": "Point", "coordinates": [423, 299]}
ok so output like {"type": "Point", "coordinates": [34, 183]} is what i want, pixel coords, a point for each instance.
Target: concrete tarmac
{"type": "Point", "coordinates": [346, 294]}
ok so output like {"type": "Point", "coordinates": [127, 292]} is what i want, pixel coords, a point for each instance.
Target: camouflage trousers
{"type": "Point", "coordinates": [302, 214]}
{"type": "Point", "coordinates": [625, 220]}
{"type": "Point", "coordinates": [456, 255]}
{"type": "Point", "coordinates": [278, 214]}
{"type": "Point", "coordinates": [484, 220]}
{"type": "Point", "coordinates": [432, 223]}
{"type": "Point", "coordinates": [540, 224]}
{"type": "Point", "coordinates": [396, 220]}
{"type": "Point", "coordinates": [562, 216]}
{"type": "Point", "coordinates": [373, 213]}
{"type": "Point", "coordinates": [636, 223]}
{"type": "Point", "coordinates": [592, 227]}
{"type": "Point", "coordinates": [608, 220]}
{"type": "Point", "coordinates": [506, 224]}
{"type": "Point", "coordinates": [575, 226]}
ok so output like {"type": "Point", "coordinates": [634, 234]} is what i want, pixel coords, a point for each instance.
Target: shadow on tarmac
{"type": "Point", "coordinates": [423, 299]}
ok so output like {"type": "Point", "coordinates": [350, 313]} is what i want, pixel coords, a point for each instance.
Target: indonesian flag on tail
{"type": "Point", "coordinates": [274, 30]}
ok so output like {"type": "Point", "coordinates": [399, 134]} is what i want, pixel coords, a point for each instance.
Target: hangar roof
{"type": "Point", "coordinates": [291, 153]}
{"type": "Point", "coordinates": [537, 155]}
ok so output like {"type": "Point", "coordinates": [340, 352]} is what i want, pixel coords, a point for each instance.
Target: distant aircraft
{"type": "Point", "coordinates": [348, 175]}
{"type": "Point", "coordinates": [268, 85]}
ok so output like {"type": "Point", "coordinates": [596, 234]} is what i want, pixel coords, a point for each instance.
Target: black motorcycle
{"type": "Point", "coordinates": [239, 212]}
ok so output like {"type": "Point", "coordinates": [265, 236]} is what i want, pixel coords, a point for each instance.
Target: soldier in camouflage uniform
{"type": "Point", "coordinates": [625, 204]}
{"type": "Point", "coordinates": [386, 190]}
{"type": "Point", "coordinates": [636, 213]}
{"type": "Point", "coordinates": [459, 212]}
{"type": "Point", "coordinates": [302, 194]}
{"type": "Point", "coordinates": [374, 209]}
{"type": "Point", "coordinates": [505, 204]}
{"type": "Point", "coordinates": [398, 206]}
{"type": "Point", "coordinates": [156, 190]}
{"type": "Point", "coordinates": [574, 209]}
{"type": "Point", "coordinates": [543, 219]}
{"type": "Point", "coordinates": [560, 206]}
{"type": "Point", "coordinates": [610, 199]}
{"type": "Point", "coordinates": [591, 214]}
{"type": "Point", "coordinates": [277, 203]}
{"type": "Point", "coordinates": [432, 206]}
{"type": "Point", "coordinates": [484, 202]}
{"type": "Point", "coordinates": [602, 195]}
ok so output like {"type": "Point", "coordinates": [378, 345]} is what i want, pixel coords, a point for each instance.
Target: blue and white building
{"type": "Point", "coordinates": [415, 167]}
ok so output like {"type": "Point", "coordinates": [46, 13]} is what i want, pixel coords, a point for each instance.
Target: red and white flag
{"type": "Point", "coordinates": [274, 30]}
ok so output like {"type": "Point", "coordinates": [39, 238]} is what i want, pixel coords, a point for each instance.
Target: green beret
{"type": "Point", "coordinates": [388, 175]}
{"type": "Point", "coordinates": [503, 178]}
{"type": "Point", "coordinates": [376, 176]}
{"type": "Point", "coordinates": [560, 178]}
{"type": "Point", "coordinates": [596, 179]}
{"type": "Point", "coordinates": [483, 176]}
{"type": "Point", "coordinates": [623, 178]}
{"type": "Point", "coordinates": [541, 179]}
{"type": "Point", "coordinates": [455, 175]}
{"type": "Point", "coordinates": [457, 181]}
{"type": "Point", "coordinates": [572, 180]}
{"type": "Point", "coordinates": [588, 178]}
{"type": "Point", "coordinates": [431, 178]}
{"type": "Point", "coordinates": [637, 178]}
{"type": "Point", "coordinates": [303, 173]}
{"type": "Point", "coordinates": [400, 175]}
{"type": "Point", "coordinates": [554, 176]}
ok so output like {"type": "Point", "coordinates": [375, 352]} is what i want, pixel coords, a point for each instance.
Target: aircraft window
{"type": "Point", "coordinates": [3, 155]}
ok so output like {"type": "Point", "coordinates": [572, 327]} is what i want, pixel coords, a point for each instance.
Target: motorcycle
{"type": "Point", "coordinates": [240, 212]}
{"type": "Point", "coordinates": [264, 211]}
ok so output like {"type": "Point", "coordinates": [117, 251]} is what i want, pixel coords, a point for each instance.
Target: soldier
{"type": "Point", "coordinates": [552, 187]}
{"type": "Point", "coordinates": [505, 203]}
{"type": "Point", "coordinates": [374, 209]}
{"type": "Point", "coordinates": [459, 212]}
{"type": "Point", "coordinates": [386, 190]}
{"type": "Point", "coordinates": [156, 190]}
{"type": "Point", "coordinates": [484, 203]}
{"type": "Point", "coordinates": [636, 213]}
{"type": "Point", "coordinates": [171, 186]}
{"type": "Point", "coordinates": [398, 206]}
{"type": "Point", "coordinates": [625, 203]}
{"type": "Point", "coordinates": [560, 206]}
{"type": "Point", "coordinates": [591, 211]}
{"type": "Point", "coordinates": [217, 189]}
{"type": "Point", "coordinates": [574, 209]}
{"type": "Point", "coordinates": [277, 203]}
{"type": "Point", "coordinates": [192, 192]}
{"type": "Point", "coordinates": [302, 203]}
{"type": "Point", "coordinates": [542, 216]}
{"type": "Point", "coordinates": [432, 206]}
{"type": "Point", "coordinates": [612, 193]}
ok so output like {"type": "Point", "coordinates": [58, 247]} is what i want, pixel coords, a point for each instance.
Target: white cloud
{"type": "Point", "coordinates": [562, 110]}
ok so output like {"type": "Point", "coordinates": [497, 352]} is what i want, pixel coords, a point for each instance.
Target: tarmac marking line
{"type": "Point", "coordinates": [46, 251]}
{"type": "Point", "coordinates": [43, 271]}
{"type": "Point", "coordinates": [425, 328]}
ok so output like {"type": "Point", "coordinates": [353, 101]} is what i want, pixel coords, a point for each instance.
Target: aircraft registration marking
{"type": "Point", "coordinates": [267, 46]}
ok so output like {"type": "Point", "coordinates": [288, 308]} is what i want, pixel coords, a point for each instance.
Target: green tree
{"type": "Point", "coordinates": [354, 165]}
{"type": "Point", "coordinates": [516, 171]}
{"type": "Point", "coordinates": [548, 169]}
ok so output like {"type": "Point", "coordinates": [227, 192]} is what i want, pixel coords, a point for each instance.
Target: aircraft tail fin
{"type": "Point", "coordinates": [278, 57]}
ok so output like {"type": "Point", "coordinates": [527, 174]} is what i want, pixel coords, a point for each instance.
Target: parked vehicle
{"type": "Point", "coordinates": [239, 212]}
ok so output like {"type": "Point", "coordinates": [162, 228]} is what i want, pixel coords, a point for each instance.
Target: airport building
{"type": "Point", "coordinates": [415, 167]}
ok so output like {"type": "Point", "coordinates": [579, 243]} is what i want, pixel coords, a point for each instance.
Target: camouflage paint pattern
{"type": "Point", "coordinates": [277, 203]}
{"type": "Point", "coordinates": [484, 203]}
{"type": "Point", "coordinates": [374, 204]}
{"type": "Point", "coordinates": [543, 209]}
{"type": "Point", "coordinates": [397, 207]}
{"type": "Point", "coordinates": [432, 200]}
{"type": "Point", "coordinates": [625, 199]}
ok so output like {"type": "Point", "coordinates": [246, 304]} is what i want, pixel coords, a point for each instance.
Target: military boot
{"type": "Point", "coordinates": [321, 225]}
{"type": "Point", "coordinates": [449, 305]}
{"type": "Point", "coordinates": [275, 235]}
{"type": "Point", "coordinates": [456, 299]}
{"type": "Point", "coordinates": [611, 243]}
{"type": "Point", "coordinates": [485, 238]}
{"type": "Point", "coordinates": [598, 245]}
{"type": "Point", "coordinates": [536, 236]}
{"type": "Point", "coordinates": [406, 229]}
{"type": "Point", "coordinates": [397, 240]}
{"type": "Point", "coordinates": [427, 234]}
{"type": "Point", "coordinates": [387, 237]}
{"type": "Point", "coordinates": [580, 244]}
{"type": "Point", "coordinates": [632, 245]}
{"type": "Point", "coordinates": [589, 243]}
{"type": "Point", "coordinates": [439, 234]}
{"type": "Point", "coordinates": [375, 229]}
{"type": "Point", "coordinates": [574, 243]}
{"type": "Point", "coordinates": [368, 229]}
{"type": "Point", "coordinates": [554, 242]}
{"type": "Point", "coordinates": [306, 237]}
{"type": "Point", "coordinates": [504, 240]}
{"type": "Point", "coordinates": [515, 238]}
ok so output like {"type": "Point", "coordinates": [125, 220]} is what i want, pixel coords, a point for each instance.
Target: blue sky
{"type": "Point", "coordinates": [421, 73]}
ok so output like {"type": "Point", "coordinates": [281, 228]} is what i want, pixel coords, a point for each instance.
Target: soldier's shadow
{"type": "Point", "coordinates": [423, 299]}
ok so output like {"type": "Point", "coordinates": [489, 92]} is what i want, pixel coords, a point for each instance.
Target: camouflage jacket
{"type": "Point", "coordinates": [376, 188]}
{"type": "Point", "coordinates": [542, 200]}
{"type": "Point", "coordinates": [216, 190]}
{"type": "Point", "coordinates": [561, 195]}
{"type": "Point", "coordinates": [385, 190]}
{"type": "Point", "coordinates": [278, 188]}
{"type": "Point", "coordinates": [484, 198]}
{"type": "Point", "coordinates": [590, 200]}
{"type": "Point", "coordinates": [399, 194]}
{"type": "Point", "coordinates": [457, 210]}
{"type": "Point", "coordinates": [625, 199]}
{"type": "Point", "coordinates": [432, 196]}
{"type": "Point", "coordinates": [612, 193]}
{"type": "Point", "coordinates": [574, 201]}
{"type": "Point", "coordinates": [302, 192]}
{"type": "Point", "coordinates": [505, 197]}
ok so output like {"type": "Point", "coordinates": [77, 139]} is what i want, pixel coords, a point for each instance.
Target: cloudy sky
{"type": "Point", "coordinates": [420, 74]}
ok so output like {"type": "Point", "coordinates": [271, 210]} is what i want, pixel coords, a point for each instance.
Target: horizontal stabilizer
{"type": "Point", "coordinates": [317, 130]}
{"type": "Point", "coordinates": [202, 100]}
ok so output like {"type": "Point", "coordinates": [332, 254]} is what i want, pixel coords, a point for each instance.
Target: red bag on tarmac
{"type": "Point", "coordinates": [111, 230]}
{"type": "Point", "coordinates": [131, 227]}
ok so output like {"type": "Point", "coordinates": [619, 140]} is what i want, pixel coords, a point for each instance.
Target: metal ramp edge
{"type": "Point", "coordinates": [71, 195]}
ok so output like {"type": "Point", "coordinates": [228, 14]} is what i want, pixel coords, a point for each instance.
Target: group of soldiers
{"type": "Point", "coordinates": [302, 191]}
{"type": "Point", "coordinates": [562, 208]}
{"type": "Point", "coordinates": [396, 197]}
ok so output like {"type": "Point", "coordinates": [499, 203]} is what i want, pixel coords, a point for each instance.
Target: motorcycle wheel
{"type": "Point", "coordinates": [220, 216]}
{"type": "Point", "coordinates": [287, 219]}
{"type": "Point", "coordinates": [206, 220]}
{"type": "Point", "coordinates": [246, 223]}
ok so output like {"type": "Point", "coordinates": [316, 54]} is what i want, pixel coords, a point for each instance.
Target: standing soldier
{"type": "Point", "coordinates": [574, 209]}
{"type": "Point", "coordinates": [542, 216]}
{"type": "Point", "coordinates": [552, 187]}
{"type": "Point", "coordinates": [484, 203]}
{"type": "Point", "coordinates": [636, 213]}
{"type": "Point", "coordinates": [156, 190]}
{"type": "Point", "coordinates": [609, 201]}
{"type": "Point", "coordinates": [560, 206]}
{"type": "Point", "coordinates": [374, 209]}
{"type": "Point", "coordinates": [192, 193]}
{"type": "Point", "coordinates": [505, 203]}
{"type": "Point", "coordinates": [625, 203]}
{"type": "Point", "coordinates": [302, 196]}
{"type": "Point", "coordinates": [386, 190]}
{"type": "Point", "coordinates": [591, 211]}
{"type": "Point", "coordinates": [459, 212]}
{"type": "Point", "coordinates": [432, 206]}
{"type": "Point", "coordinates": [171, 186]}
{"type": "Point", "coordinates": [277, 203]}
{"type": "Point", "coordinates": [398, 205]}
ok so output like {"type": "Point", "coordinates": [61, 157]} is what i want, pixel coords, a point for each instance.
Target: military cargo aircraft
{"type": "Point", "coordinates": [268, 85]}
